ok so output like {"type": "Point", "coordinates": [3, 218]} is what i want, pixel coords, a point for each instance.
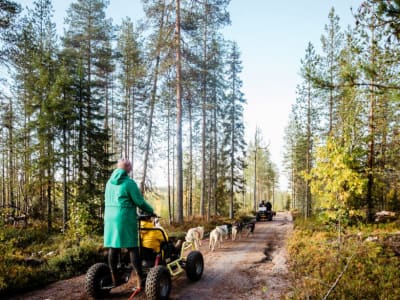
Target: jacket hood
{"type": "Point", "coordinates": [118, 176]}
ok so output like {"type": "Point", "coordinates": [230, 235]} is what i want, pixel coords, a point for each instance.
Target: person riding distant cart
{"type": "Point", "coordinates": [264, 211]}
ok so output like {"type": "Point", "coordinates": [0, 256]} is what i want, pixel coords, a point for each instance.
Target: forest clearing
{"type": "Point", "coordinates": [182, 90]}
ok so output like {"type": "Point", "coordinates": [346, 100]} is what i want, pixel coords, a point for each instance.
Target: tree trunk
{"type": "Point", "coordinates": [179, 158]}
{"type": "Point", "coordinates": [232, 164]}
{"type": "Point", "coordinates": [255, 173]}
{"type": "Point", "coordinates": [214, 180]}
{"type": "Point", "coordinates": [204, 116]}
{"type": "Point", "coordinates": [307, 212]}
{"type": "Point", "coordinates": [152, 102]}
{"type": "Point", "coordinates": [190, 176]}
{"type": "Point", "coordinates": [11, 156]}
{"type": "Point", "coordinates": [371, 129]}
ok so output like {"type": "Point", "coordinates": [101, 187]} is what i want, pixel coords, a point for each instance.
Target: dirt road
{"type": "Point", "coordinates": [249, 268]}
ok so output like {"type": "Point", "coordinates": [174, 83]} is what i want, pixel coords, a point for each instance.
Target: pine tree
{"type": "Point", "coordinates": [158, 14]}
{"type": "Point", "coordinates": [179, 110]}
{"type": "Point", "coordinates": [36, 71]}
{"type": "Point", "coordinates": [132, 80]}
{"type": "Point", "coordinates": [307, 102]}
{"type": "Point", "coordinates": [331, 45]}
{"type": "Point", "coordinates": [87, 43]}
{"type": "Point", "coordinates": [213, 16]}
{"type": "Point", "coordinates": [9, 10]}
{"type": "Point", "coordinates": [234, 128]}
{"type": "Point", "coordinates": [372, 64]}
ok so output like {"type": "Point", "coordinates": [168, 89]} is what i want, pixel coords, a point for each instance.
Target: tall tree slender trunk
{"type": "Point", "coordinates": [65, 188]}
{"type": "Point", "coordinates": [190, 179]}
{"type": "Point", "coordinates": [152, 101]}
{"type": "Point", "coordinates": [169, 159]}
{"type": "Point", "coordinates": [173, 178]}
{"type": "Point", "coordinates": [204, 115]}
{"type": "Point", "coordinates": [232, 164]}
{"type": "Point", "coordinates": [255, 173]}
{"type": "Point", "coordinates": [371, 150]}
{"type": "Point", "coordinates": [331, 87]}
{"type": "Point", "coordinates": [3, 179]}
{"type": "Point", "coordinates": [179, 157]}
{"type": "Point", "coordinates": [214, 158]}
{"type": "Point", "coordinates": [371, 129]}
{"type": "Point", "coordinates": [132, 126]}
{"type": "Point", "coordinates": [307, 211]}
{"type": "Point", "coordinates": [11, 155]}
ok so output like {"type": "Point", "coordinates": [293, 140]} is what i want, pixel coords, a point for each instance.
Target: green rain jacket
{"type": "Point", "coordinates": [122, 197]}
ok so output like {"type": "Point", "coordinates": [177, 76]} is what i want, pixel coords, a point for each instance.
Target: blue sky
{"type": "Point", "coordinates": [272, 36]}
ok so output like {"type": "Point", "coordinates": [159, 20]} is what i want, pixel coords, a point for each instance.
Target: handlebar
{"type": "Point", "coordinates": [144, 216]}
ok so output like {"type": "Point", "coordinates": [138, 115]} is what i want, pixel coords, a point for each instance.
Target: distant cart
{"type": "Point", "coordinates": [265, 212]}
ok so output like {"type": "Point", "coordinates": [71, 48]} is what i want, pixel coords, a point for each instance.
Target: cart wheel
{"type": "Point", "coordinates": [98, 281]}
{"type": "Point", "coordinates": [158, 283]}
{"type": "Point", "coordinates": [194, 265]}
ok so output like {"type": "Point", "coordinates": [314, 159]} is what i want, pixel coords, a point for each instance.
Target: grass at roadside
{"type": "Point", "coordinates": [363, 264]}
{"type": "Point", "coordinates": [32, 258]}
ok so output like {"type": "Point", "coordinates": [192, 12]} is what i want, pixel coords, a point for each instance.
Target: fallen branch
{"type": "Point", "coordinates": [338, 278]}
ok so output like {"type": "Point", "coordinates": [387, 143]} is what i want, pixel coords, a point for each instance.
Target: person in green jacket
{"type": "Point", "coordinates": [122, 198]}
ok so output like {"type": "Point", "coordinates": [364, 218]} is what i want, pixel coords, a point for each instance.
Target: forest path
{"type": "Point", "coordinates": [253, 267]}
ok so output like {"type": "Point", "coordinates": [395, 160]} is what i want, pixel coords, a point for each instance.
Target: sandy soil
{"type": "Point", "coordinates": [250, 268]}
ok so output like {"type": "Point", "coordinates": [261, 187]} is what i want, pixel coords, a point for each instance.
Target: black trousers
{"type": "Point", "coordinates": [114, 256]}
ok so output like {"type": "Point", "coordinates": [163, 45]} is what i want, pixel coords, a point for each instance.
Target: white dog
{"type": "Point", "coordinates": [215, 238]}
{"type": "Point", "coordinates": [217, 235]}
{"type": "Point", "coordinates": [195, 235]}
{"type": "Point", "coordinates": [224, 231]}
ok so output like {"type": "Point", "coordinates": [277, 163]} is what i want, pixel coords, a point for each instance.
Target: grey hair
{"type": "Point", "coordinates": [124, 164]}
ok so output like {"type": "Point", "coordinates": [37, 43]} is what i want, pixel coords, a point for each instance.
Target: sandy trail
{"type": "Point", "coordinates": [250, 268]}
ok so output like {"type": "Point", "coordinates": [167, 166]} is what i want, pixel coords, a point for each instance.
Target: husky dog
{"type": "Point", "coordinates": [237, 230]}
{"type": "Point", "coordinates": [224, 231]}
{"type": "Point", "coordinates": [215, 238]}
{"type": "Point", "coordinates": [250, 228]}
{"type": "Point", "coordinates": [195, 235]}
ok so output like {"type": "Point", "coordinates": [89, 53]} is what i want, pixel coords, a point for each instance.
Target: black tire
{"type": "Point", "coordinates": [194, 265]}
{"type": "Point", "coordinates": [270, 216]}
{"type": "Point", "coordinates": [97, 277]}
{"type": "Point", "coordinates": [158, 283]}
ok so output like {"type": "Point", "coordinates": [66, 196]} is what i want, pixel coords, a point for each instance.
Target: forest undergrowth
{"type": "Point", "coordinates": [359, 262]}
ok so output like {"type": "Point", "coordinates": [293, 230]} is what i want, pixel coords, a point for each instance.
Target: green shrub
{"type": "Point", "coordinates": [73, 260]}
{"type": "Point", "coordinates": [24, 266]}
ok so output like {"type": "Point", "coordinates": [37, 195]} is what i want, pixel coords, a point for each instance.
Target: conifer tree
{"type": "Point", "coordinates": [234, 128]}
{"type": "Point", "coordinates": [34, 60]}
{"type": "Point", "coordinates": [308, 103]}
{"type": "Point", "coordinates": [132, 80]}
{"type": "Point", "coordinates": [87, 47]}
{"type": "Point", "coordinates": [9, 10]}
{"type": "Point", "coordinates": [331, 46]}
